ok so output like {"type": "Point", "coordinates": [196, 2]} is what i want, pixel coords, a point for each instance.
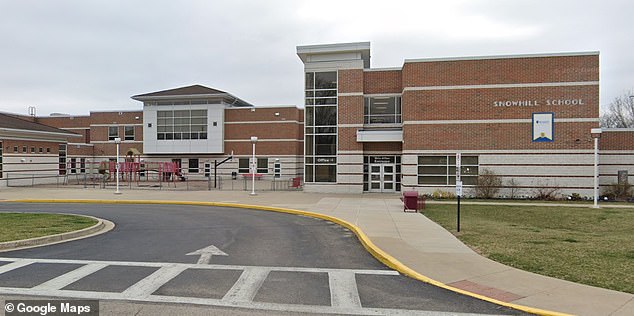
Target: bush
{"type": "Point", "coordinates": [489, 184]}
{"type": "Point", "coordinates": [440, 194]}
{"type": "Point", "coordinates": [546, 192]}
{"type": "Point", "coordinates": [617, 191]}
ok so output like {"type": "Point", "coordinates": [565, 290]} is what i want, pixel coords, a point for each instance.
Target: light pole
{"type": "Point", "coordinates": [118, 142]}
{"type": "Point", "coordinates": [596, 134]}
{"type": "Point", "coordinates": [254, 140]}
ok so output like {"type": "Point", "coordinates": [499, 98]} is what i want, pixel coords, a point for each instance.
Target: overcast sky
{"type": "Point", "coordinates": [76, 56]}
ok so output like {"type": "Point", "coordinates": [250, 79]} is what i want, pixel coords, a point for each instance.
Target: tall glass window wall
{"type": "Point", "coordinates": [321, 127]}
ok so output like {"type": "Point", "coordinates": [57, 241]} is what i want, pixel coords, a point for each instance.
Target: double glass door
{"type": "Point", "coordinates": [382, 178]}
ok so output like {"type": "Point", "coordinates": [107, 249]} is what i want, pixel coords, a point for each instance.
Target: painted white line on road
{"type": "Point", "coordinates": [154, 281]}
{"type": "Point", "coordinates": [192, 266]}
{"type": "Point", "coordinates": [343, 290]}
{"type": "Point", "coordinates": [289, 308]}
{"type": "Point", "coordinates": [247, 286]}
{"type": "Point", "coordinates": [70, 277]}
{"type": "Point", "coordinates": [17, 263]}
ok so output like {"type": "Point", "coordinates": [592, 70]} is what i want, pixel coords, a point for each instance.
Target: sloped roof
{"type": "Point", "coordinates": [192, 92]}
{"type": "Point", "coordinates": [13, 122]}
{"type": "Point", "coordinates": [189, 90]}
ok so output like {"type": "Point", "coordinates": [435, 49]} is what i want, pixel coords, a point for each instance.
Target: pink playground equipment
{"type": "Point", "coordinates": [133, 169]}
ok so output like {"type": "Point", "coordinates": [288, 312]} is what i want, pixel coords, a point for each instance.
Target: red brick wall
{"type": "Point", "coordinates": [479, 104]}
{"type": "Point", "coordinates": [500, 71]}
{"type": "Point", "coordinates": [350, 80]}
{"type": "Point", "coordinates": [348, 139]}
{"type": "Point", "coordinates": [617, 140]}
{"type": "Point", "coordinates": [389, 81]}
{"type": "Point", "coordinates": [350, 110]}
{"type": "Point", "coordinates": [494, 137]}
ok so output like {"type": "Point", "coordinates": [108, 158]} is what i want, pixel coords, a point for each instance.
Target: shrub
{"type": "Point", "coordinates": [617, 191]}
{"type": "Point", "coordinates": [488, 185]}
{"type": "Point", "coordinates": [440, 194]}
{"type": "Point", "coordinates": [547, 192]}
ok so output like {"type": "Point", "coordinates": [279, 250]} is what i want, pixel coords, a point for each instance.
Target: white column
{"type": "Point", "coordinates": [118, 142]}
{"type": "Point", "coordinates": [254, 140]}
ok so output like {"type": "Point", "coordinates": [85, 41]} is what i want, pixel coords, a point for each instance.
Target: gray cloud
{"type": "Point", "coordinates": [75, 56]}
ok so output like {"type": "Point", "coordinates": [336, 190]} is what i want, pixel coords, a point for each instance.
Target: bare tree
{"type": "Point", "coordinates": [620, 113]}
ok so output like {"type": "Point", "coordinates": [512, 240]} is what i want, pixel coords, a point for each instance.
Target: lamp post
{"type": "Point", "coordinates": [596, 134]}
{"type": "Point", "coordinates": [254, 140]}
{"type": "Point", "coordinates": [118, 142]}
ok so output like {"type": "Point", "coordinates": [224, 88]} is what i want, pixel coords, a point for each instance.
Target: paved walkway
{"type": "Point", "coordinates": [411, 238]}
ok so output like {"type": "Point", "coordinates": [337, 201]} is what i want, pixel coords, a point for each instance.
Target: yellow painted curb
{"type": "Point", "coordinates": [375, 251]}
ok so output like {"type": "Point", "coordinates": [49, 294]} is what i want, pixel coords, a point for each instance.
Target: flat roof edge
{"type": "Point", "coordinates": [539, 55]}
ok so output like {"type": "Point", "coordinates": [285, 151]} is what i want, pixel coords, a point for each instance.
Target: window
{"type": "Point", "coordinates": [243, 165]}
{"type": "Point", "coordinates": [181, 124]}
{"type": "Point", "coordinates": [193, 165]}
{"type": "Point", "coordinates": [24, 149]}
{"type": "Point", "coordinates": [32, 150]}
{"type": "Point", "coordinates": [48, 150]}
{"type": "Point", "coordinates": [15, 149]}
{"type": "Point", "coordinates": [382, 110]}
{"type": "Point", "coordinates": [62, 159]}
{"type": "Point", "coordinates": [128, 133]}
{"type": "Point", "coordinates": [263, 165]}
{"type": "Point", "coordinates": [73, 165]}
{"type": "Point", "coordinates": [82, 165]}
{"type": "Point", "coordinates": [320, 117]}
{"type": "Point", "coordinates": [0, 160]}
{"type": "Point", "coordinates": [441, 170]}
{"type": "Point", "coordinates": [277, 169]}
{"type": "Point", "coordinates": [41, 150]}
{"type": "Point", "coordinates": [113, 132]}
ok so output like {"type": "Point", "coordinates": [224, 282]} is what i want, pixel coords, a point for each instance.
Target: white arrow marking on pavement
{"type": "Point", "coordinates": [206, 253]}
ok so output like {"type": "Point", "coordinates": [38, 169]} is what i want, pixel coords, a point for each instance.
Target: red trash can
{"type": "Point", "coordinates": [410, 201]}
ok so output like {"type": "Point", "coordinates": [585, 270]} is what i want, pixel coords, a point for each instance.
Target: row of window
{"type": "Point", "coordinates": [441, 170]}
{"type": "Point", "coordinates": [128, 132]}
{"type": "Point", "coordinates": [33, 149]}
{"type": "Point", "coordinates": [181, 124]}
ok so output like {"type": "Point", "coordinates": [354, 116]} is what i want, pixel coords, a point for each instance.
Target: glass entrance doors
{"type": "Point", "coordinates": [382, 178]}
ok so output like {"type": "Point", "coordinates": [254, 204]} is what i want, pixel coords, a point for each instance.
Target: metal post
{"type": "Point", "coordinates": [215, 174]}
{"type": "Point", "coordinates": [596, 133]}
{"type": "Point", "coordinates": [118, 142]}
{"type": "Point", "coordinates": [458, 217]}
{"type": "Point", "coordinates": [254, 165]}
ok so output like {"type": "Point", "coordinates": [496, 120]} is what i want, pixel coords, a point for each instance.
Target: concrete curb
{"type": "Point", "coordinates": [375, 251]}
{"type": "Point", "coordinates": [102, 226]}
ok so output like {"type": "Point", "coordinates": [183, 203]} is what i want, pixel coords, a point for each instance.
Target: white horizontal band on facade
{"type": "Point", "coordinates": [518, 151]}
{"type": "Point", "coordinates": [116, 124]}
{"type": "Point", "coordinates": [383, 69]}
{"type": "Point", "coordinates": [504, 86]}
{"type": "Point", "coordinates": [500, 121]}
{"type": "Point", "coordinates": [264, 122]}
{"type": "Point", "coordinates": [263, 140]}
{"type": "Point", "coordinates": [112, 141]}
{"type": "Point", "coordinates": [81, 144]}
{"type": "Point", "coordinates": [73, 128]}
{"type": "Point", "coordinates": [350, 125]}
{"type": "Point", "coordinates": [350, 94]}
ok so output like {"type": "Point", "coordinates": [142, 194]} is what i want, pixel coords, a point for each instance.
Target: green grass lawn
{"type": "Point", "coordinates": [584, 245]}
{"type": "Point", "coordinates": [16, 226]}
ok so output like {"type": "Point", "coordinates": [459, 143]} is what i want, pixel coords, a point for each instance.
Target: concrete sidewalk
{"type": "Point", "coordinates": [411, 238]}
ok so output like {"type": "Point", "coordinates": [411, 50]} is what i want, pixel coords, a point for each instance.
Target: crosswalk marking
{"type": "Point", "coordinates": [247, 286]}
{"type": "Point", "coordinates": [343, 290]}
{"type": "Point", "coordinates": [342, 283]}
{"type": "Point", "coordinates": [19, 263]}
{"type": "Point", "coordinates": [70, 277]}
{"type": "Point", "coordinates": [154, 281]}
